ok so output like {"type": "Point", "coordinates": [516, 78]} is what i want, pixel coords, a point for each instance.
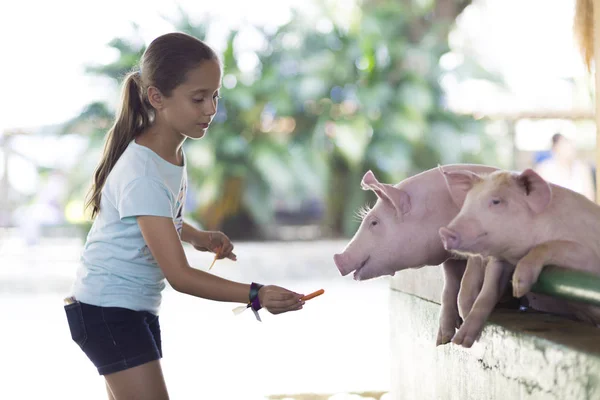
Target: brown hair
{"type": "Point", "coordinates": [163, 65]}
{"type": "Point", "coordinates": [557, 137]}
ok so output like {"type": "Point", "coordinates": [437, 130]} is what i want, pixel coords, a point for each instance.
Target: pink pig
{"type": "Point", "coordinates": [401, 231]}
{"type": "Point", "coordinates": [522, 220]}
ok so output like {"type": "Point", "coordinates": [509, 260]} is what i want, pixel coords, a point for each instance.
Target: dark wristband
{"type": "Point", "coordinates": [253, 297]}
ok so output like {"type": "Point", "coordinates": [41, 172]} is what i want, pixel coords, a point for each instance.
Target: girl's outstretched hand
{"type": "Point", "coordinates": [278, 300]}
{"type": "Point", "coordinates": [218, 243]}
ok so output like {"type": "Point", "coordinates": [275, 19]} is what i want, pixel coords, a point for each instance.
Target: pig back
{"type": "Point", "coordinates": [573, 217]}
{"type": "Point", "coordinates": [429, 190]}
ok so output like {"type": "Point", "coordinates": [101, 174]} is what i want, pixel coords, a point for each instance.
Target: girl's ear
{"type": "Point", "coordinates": [155, 98]}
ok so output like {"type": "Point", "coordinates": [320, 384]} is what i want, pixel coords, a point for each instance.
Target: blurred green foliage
{"type": "Point", "coordinates": [326, 102]}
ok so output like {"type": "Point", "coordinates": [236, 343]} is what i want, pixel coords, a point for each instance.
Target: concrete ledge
{"type": "Point", "coordinates": [520, 355]}
{"type": "Point", "coordinates": [426, 283]}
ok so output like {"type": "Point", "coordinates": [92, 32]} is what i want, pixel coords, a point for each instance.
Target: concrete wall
{"type": "Point", "coordinates": [520, 355]}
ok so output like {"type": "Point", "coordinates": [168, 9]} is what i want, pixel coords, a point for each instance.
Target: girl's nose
{"type": "Point", "coordinates": [211, 108]}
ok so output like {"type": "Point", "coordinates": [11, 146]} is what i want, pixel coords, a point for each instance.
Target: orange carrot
{"type": "Point", "coordinates": [313, 295]}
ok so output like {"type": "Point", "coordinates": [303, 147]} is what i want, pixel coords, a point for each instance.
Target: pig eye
{"type": "Point", "coordinates": [374, 222]}
{"type": "Point", "coordinates": [495, 202]}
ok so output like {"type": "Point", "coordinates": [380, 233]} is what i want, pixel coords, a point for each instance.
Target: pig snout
{"type": "Point", "coordinates": [341, 262]}
{"type": "Point", "coordinates": [346, 264]}
{"type": "Point", "coordinates": [450, 238]}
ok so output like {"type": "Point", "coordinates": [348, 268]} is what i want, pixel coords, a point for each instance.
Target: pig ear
{"type": "Point", "coordinates": [459, 183]}
{"type": "Point", "coordinates": [400, 199]}
{"type": "Point", "coordinates": [395, 197]}
{"type": "Point", "coordinates": [537, 191]}
{"type": "Point", "coordinates": [369, 180]}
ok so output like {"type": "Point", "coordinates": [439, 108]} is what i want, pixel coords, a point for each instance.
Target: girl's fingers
{"type": "Point", "coordinates": [283, 304]}
{"type": "Point", "coordinates": [279, 310]}
{"type": "Point", "coordinates": [226, 251]}
{"type": "Point", "coordinates": [281, 296]}
{"type": "Point", "coordinates": [231, 255]}
{"type": "Point", "coordinates": [280, 302]}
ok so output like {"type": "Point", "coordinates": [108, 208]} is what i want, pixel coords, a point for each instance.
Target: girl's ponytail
{"type": "Point", "coordinates": [133, 117]}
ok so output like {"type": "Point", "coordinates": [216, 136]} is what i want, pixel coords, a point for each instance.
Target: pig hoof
{"type": "Point", "coordinates": [449, 321]}
{"type": "Point", "coordinates": [445, 340]}
{"type": "Point", "coordinates": [442, 338]}
{"type": "Point", "coordinates": [468, 342]}
{"type": "Point", "coordinates": [457, 339]}
{"type": "Point", "coordinates": [516, 291]}
{"type": "Point", "coordinates": [519, 289]}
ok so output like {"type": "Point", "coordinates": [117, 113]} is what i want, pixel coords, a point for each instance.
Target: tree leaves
{"type": "Point", "coordinates": [327, 101]}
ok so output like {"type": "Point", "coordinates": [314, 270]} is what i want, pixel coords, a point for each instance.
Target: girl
{"type": "Point", "coordinates": [137, 201]}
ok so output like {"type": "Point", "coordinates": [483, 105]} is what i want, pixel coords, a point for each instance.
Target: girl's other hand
{"type": "Point", "coordinates": [218, 243]}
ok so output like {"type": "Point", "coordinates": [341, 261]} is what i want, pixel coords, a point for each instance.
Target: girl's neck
{"type": "Point", "coordinates": [164, 142]}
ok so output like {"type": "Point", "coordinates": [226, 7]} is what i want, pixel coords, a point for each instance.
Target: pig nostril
{"type": "Point", "coordinates": [449, 238]}
{"type": "Point", "coordinates": [339, 261]}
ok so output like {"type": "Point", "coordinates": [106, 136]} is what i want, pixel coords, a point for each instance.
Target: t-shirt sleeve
{"type": "Point", "coordinates": [145, 196]}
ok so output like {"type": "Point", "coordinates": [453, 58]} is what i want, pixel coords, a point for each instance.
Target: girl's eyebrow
{"type": "Point", "coordinates": [203, 90]}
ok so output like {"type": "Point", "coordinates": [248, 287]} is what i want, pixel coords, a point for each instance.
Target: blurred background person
{"type": "Point", "coordinates": [564, 168]}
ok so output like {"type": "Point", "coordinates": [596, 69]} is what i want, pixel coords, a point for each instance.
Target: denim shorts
{"type": "Point", "coordinates": [114, 338]}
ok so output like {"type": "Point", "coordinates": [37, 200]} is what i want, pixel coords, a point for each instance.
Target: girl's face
{"type": "Point", "coordinates": [193, 104]}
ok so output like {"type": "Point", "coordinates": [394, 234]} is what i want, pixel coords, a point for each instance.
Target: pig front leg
{"type": "Point", "coordinates": [449, 318]}
{"type": "Point", "coordinates": [471, 284]}
{"type": "Point", "coordinates": [561, 253]}
{"type": "Point", "coordinates": [497, 274]}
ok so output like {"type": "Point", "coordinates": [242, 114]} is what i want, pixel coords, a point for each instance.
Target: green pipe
{"type": "Point", "coordinates": [569, 284]}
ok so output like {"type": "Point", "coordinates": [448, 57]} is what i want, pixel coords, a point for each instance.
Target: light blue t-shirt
{"type": "Point", "coordinates": [117, 268]}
